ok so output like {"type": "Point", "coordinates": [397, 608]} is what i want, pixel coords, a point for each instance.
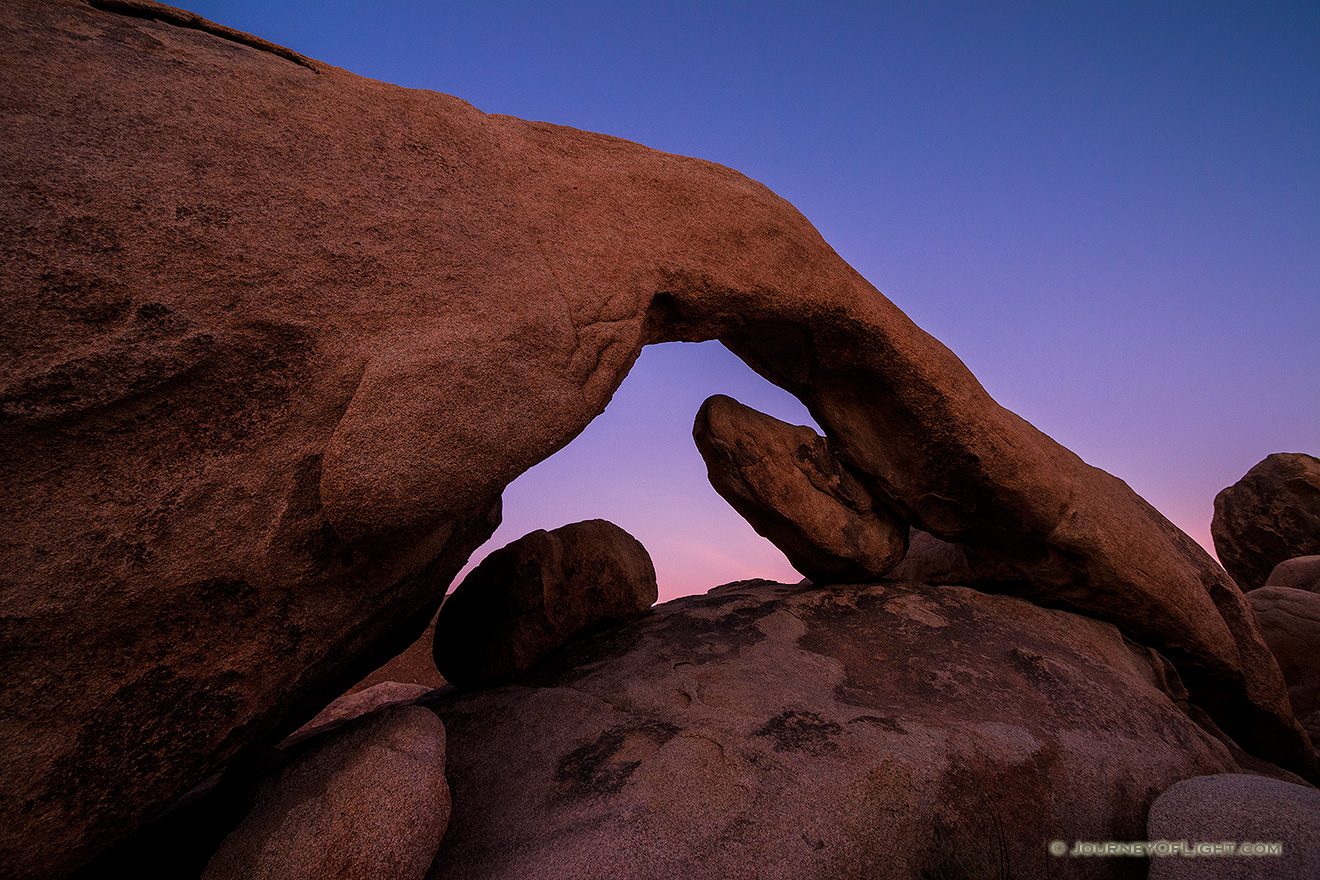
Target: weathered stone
{"type": "Point", "coordinates": [528, 598]}
{"type": "Point", "coordinates": [277, 336]}
{"type": "Point", "coordinates": [1270, 515]}
{"type": "Point", "coordinates": [366, 801]}
{"type": "Point", "coordinates": [378, 697]}
{"type": "Point", "coordinates": [876, 731]}
{"type": "Point", "coordinates": [1241, 809]}
{"type": "Point", "coordinates": [784, 480]}
{"type": "Point", "coordinates": [932, 561]}
{"type": "Point", "coordinates": [1300, 573]}
{"type": "Point", "coordinates": [1289, 621]}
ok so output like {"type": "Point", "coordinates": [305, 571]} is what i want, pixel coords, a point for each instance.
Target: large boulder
{"type": "Point", "coordinates": [531, 596]}
{"type": "Point", "coordinates": [877, 731]}
{"type": "Point", "coordinates": [277, 336]}
{"type": "Point", "coordinates": [366, 801]}
{"type": "Point", "coordinates": [1270, 515]}
{"type": "Point", "coordinates": [1279, 820]}
{"type": "Point", "coordinates": [784, 480]}
{"type": "Point", "coordinates": [1300, 573]}
{"type": "Point", "coordinates": [1289, 621]}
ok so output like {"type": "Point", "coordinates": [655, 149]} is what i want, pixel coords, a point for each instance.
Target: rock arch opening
{"type": "Point", "coordinates": [636, 465]}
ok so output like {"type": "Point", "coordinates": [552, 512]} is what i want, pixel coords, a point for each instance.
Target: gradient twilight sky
{"type": "Point", "coordinates": [1109, 210]}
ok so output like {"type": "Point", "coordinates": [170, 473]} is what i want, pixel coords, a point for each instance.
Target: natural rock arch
{"type": "Point", "coordinates": [278, 335]}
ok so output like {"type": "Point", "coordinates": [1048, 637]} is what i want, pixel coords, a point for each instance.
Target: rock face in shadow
{"type": "Point", "coordinates": [366, 801]}
{"type": "Point", "coordinates": [1270, 515]}
{"type": "Point", "coordinates": [784, 480]}
{"type": "Point", "coordinates": [871, 731]}
{"type": "Point", "coordinates": [1289, 621]}
{"type": "Point", "coordinates": [277, 336]}
{"type": "Point", "coordinates": [932, 561]}
{"type": "Point", "coordinates": [533, 595]}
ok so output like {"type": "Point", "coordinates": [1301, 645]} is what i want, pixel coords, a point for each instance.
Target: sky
{"type": "Point", "coordinates": [1110, 211]}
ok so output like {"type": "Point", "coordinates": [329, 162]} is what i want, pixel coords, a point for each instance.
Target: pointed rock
{"type": "Point", "coordinates": [784, 480]}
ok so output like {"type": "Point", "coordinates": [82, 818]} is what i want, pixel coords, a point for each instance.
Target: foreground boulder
{"type": "Point", "coordinates": [784, 480]}
{"type": "Point", "coordinates": [366, 801]}
{"type": "Point", "coordinates": [1299, 573]}
{"type": "Point", "coordinates": [1270, 515]}
{"type": "Point", "coordinates": [530, 597]}
{"type": "Point", "coordinates": [1289, 621]}
{"type": "Point", "coordinates": [871, 731]}
{"type": "Point", "coordinates": [1241, 809]}
{"type": "Point", "coordinates": [277, 336]}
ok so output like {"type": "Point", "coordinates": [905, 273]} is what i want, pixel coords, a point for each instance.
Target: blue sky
{"type": "Point", "coordinates": [1110, 211]}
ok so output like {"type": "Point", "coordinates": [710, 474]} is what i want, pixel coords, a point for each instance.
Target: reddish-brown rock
{"type": "Point", "coordinates": [1270, 515]}
{"type": "Point", "coordinates": [932, 561]}
{"type": "Point", "coordinates": [784, 480]}
{"type": "Point", "coordinates": [1240, 809]}
{"type": "Point", "coordinates": [528, 598]}
{"type": "Point", "coordinates": [365, 801]}
{"type": "Point", "coordinates": [277, 336]}
{"type": "Point", "coordinates": [883, 731]}
{"type": "Point", "coordinates": [1289, 621]}
{"type": "Point", "coordinates": [1300, 573]}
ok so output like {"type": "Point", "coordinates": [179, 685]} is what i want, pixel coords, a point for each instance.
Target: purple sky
{"type": "Point", "coordinates": [1110, 211]}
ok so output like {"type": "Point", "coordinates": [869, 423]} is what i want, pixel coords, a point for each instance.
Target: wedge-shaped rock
{"type": "Point", "coordinates": [531, 596]}
{"type": "Point", "coordinates": [784, 480]}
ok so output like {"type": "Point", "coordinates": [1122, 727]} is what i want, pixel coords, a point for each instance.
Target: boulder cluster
{"type": "Point", "coordinates": [1266, 530]}
{"type": "Point", "coordinates": [277, 338]}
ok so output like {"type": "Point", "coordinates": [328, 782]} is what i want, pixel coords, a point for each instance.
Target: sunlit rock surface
{"type": "Point", "coordinates": [277, 336]}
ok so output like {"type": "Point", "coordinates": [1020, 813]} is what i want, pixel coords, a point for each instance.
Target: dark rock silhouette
{"type": "Point", "coordinates": [277, 336]}
{"type": "Point", "coordinates": [784, 480]}
{"type": "Point", "coordinates": [531, 596]}
{"type": "Point", "coordinates": [837, 732]}
{"type": "Point", "coordinates": [1270, 515]}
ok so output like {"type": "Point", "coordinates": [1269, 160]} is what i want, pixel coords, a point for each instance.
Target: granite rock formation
{"type": "Point", "coordinates": [277, 336]}
{"type": "Point", "coordinates": [1243, 809]}
{"type": "Point", "coordinates": [378, 697]}
{"type": "Point", "coordinates": [786, 483]}
{"type": "Point", "coordinates": [1270, 515]}
{"type": "Point", "coordinates": [1300, 573]}
{"type": "Point", "coordinates": [932, 561]}
{"type": "Point", "coordinates": [836, 732]}
{"type": "Point", "coordinates": [1289, 621]}
{"type": "Point", "coordinates": [366, 801]}
{"type": "Point", "coordinates": [528, 598]}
